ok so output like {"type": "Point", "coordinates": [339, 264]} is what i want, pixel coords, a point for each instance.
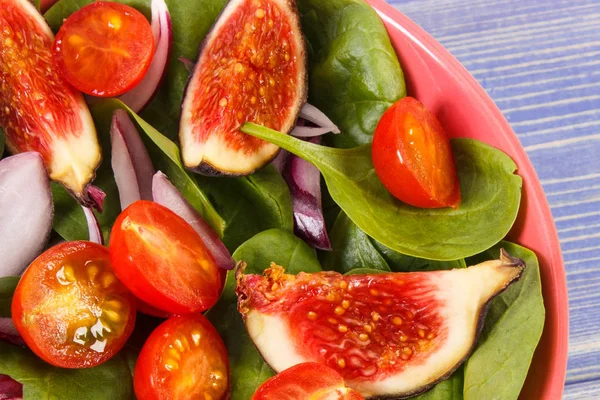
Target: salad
{"type": "Point", "coordinates": [210, 199]}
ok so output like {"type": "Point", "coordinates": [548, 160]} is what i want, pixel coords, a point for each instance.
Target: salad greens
{"type": "Point", "coordinates": [490, 192]}
{"type": "Point", "coordinates": [248, 369]}
{"type": "Point", "coordinates": [8, 284]}
{"type": "Point", "coordinates": [354, 73]}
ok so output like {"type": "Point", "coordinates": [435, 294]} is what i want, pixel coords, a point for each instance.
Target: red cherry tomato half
{"type": "Point", "coordinates": [184, 358]}
{"type": "Point", "coordinates": [413, 158]}
{"type": "Point", "coordinates": [104, 49]}
{"type": "Point", "coordinates": [71, 309]}
{"type": "Point", "coordinates": [307, 381]}
{"type": "Point", "coordinates": [163, 261]}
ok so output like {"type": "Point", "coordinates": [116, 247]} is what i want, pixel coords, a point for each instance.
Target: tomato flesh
{"type": "Point", "coordinates": [104, 49]}
{"type": "Point", "coordinates": [306, 381]}
{"type": "Point", "coordinates": [184, 358]}
{"type": "Point", "coordinates": [163, 261]}
{"type": "Point", "coordinates": [71, 309]}
{"type": "Point", "coordinates": [413, 157]}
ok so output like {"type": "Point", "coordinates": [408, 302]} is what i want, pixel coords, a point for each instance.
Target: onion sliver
{"type": "Point", "coordinates": [26, 211]}
{"type": "Point", "coordinates": [95, 233]}
{"type": "Point", "coordinates": [130, 161]}
{"type": "Point", "coordinates": [166, 194]}
{"type": "Point", "coordinates": [317, 117]}
{"type": "Point", "coordinates": [304, 181]}
{"type": "Point", "coordinates": [138, 97]}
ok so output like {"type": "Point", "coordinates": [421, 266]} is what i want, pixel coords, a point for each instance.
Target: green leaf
{"type": "Point", "coordinates": [491, 194]}
{"type": "Point", "coordinates": [365, 271]}
{"type": "Point", "coordinates": [248, 369]}
{"type": "Point", "coordinates": [8, 284]}
{"type": "Point", "coordinates": [513, 327]}
{"type": "Point", "coordinates": [37, 4]}
{"type": "Point", "coordinates": [60, 11]}
{"type": "Point", "coordinates": [110, 381]}
{"type": "Point", "coordinates": [354, 73]}
{"type": "Point", "coordinates": [250, 204]}
{"type": "Point", "coordinates": [351, 249]}
{"type": "Point", "coordinates": [450, 389]}
{"type": "Point", "coordinates": [399, 262]}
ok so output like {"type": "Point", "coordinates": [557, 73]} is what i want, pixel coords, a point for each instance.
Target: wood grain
{"type": "Point", "coordinates": [540, 62]}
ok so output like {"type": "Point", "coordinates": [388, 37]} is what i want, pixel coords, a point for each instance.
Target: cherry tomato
{"type": "Point", "coordinates": [163, 261]}
{"type": "Point", "coordinates": [46, 4]}
{"type": "Point", "coordinates": [307, 381]}
{"type": "Point", "coordinates": [71, 309]}
{"type": "Point", "coordinates": [413, 158]}
{"type": "Point", "coordinates": [184, 358]}
{"type": "Point", "coordinates": [104, 49]}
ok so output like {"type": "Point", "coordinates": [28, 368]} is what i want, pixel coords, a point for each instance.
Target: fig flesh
{"type": "Point", "coordinates": [252, 67]}
{"type": "Point", "coordinates": [39, 111]}
{"type": "Point", "coordinates": [390, 335]}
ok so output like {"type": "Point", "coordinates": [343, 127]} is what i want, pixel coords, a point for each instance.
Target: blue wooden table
{"type": "Point", "coordinates": [540, 62]}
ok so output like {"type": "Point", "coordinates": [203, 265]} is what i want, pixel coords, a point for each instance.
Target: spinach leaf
{"type": "Point", "coordinates": [365, 271]}
{"type": "Point", "coordinates": [8, 284]}
{"type": "Point", "coordinates": [166, 158]}
{"type": "Point", "coordinates": [64, 8]}
{"type": "Point", "coordinates": [402, 263]}
{"type": "Point", "coordinates": [248, 369]}
{"type": "Point", "coordinates": [450, 389]}
{"type": "Point", "coordinates": [351, 249]}
{"type": "Point", "coordinates": [43, 381]}
{"type": "Point", "coordinates": [354, 73]}
{"type": "Point", "coordinates": [250, 204]}
{"type": "Point", "coordinates": [491, 194]}
{"type": "Point", "coordinates": [513, 327]}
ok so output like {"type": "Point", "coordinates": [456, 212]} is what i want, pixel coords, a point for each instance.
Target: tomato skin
{"type": "Point", "coordinates": [51, 299]}
{"type": "Point", "coordinates": [306, 381]}
{"type": "Point", "coordinates": [163, 261]}
{"type": "Point", "coordinates": [413, 157]}
{"type": "Point", "coordinates": [104, 49]}
{"type": "Point", "coordinates": [197, 364]}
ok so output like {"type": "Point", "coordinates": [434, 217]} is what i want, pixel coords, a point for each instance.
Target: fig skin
{"type": "Point", "coordinates": [205, 167]}
{"type": "Point", "coordinates": [245, 298]}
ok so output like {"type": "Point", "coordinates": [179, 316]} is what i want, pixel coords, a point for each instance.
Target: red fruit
{"type": "Point", "coordinates": [39, 111]}
{"type": "Point", "coordinates": [252, 67]}
{"type": "Point", "coordinates": [413, 158]}
{"type": "Point", "coordinates": [184, 358]}
{"type": "Point", "coordinates": [308, 381]}
{"type": "Point", "coordinates": [70, 308]}
{"type": "Point", "coordinates": [392, 334]}
{"type": "Point", "coordinates": [104, 49]}
{"type": "Point", "coordinates": [163, 261]}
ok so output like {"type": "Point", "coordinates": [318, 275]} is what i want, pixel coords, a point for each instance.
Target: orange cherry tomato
{"type": "Point", "coordinates": [163, 261]}
{"type": "Point", "coordinates": [413, 158]}
{"type": "Point", "coordinates": [104, 49]}
{"type": "Point", "coordinates": [307, 381]}
{"type": "Point", "coordinates": [71, 309]}
{"type": "Point", "coordinates": [184, 358]}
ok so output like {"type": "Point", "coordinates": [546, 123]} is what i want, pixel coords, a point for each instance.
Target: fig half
{"type": "Point", "coordinates": [390, 335]}
{"type": "Point", "coordinates": [251, 68]}
{"type": "Point", "coordinates": [39, 111]}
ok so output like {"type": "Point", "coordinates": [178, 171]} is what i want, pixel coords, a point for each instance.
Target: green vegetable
{"type": "Point", "coordinates": [8, 284]}
{"type": "Point", "coordinates": [450, 389]}
{"type": "Point", "coordinates": [354, 73]}
{"type": "Point", "coordinates": [490, 192]}
{"type": "Point", "coordinates": [248, 369]}
{"type": "Point", "coordinates": [64, 8]}
{"type": "Point", "coordinates": [250, 204]}
{"type": "Point", "coordinates": [351, 249]}
{"type": "Point", "coordinates": [513, 327]}
{"type": "Point", "coordinates": [110, 381]}
{"type": "Point", "coordinates": [365, 271]}
{"type": "Point", "coordinates": [402, 263]}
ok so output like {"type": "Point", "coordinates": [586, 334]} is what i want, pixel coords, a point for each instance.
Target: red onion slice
{"type": "Point", "coordinates": [10, 389]}
{"type": "Point", "coordinates": [97, 197]}
{"type": "Point", "coordinates": [187, 63]}
{"type": "Point", "coordinates": [95, 233]}
{"type": "Point", "coordinates": [138, 97]}
{"type": "Point", "coordinates": [9, 333]}
{"type": "Point", "coordinates": [166, 194]}
{"type": "Point", "coordinates": [130, 161]}
{"type": "Point", "coordinates": [317, 117]}
{"type": "Point", "coordinates": [304, 181]}
{"type": "Point", "coordinates": [309, 131]}
{"type": "Point", "coordinates": [26, 211]}
{"type": "Point", "coordinates": [281, 160]}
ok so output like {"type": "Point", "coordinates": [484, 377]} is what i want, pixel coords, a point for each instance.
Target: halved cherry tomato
{"type": "Point", "coordinates": [307, 381]}
{"type": "Point", "coordinates": [162, 260]}
{"type": "Point", "coordinates": [184, 358]}
{"type": "Point", "coordinates": [71, 309]}
{"type": "Point", "coordinates": [413, 158]}
{"type": "Point", "coordinates": [104, 49]}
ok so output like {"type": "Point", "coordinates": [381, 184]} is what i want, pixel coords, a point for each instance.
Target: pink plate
{"type": "Point", "coordinates": [436, 78]}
